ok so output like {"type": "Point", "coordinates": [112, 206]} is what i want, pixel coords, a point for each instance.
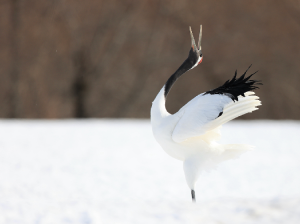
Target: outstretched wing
{"type": "Point", "coordinates": [213, 108]}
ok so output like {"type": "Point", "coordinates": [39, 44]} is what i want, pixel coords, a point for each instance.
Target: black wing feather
{"type": "Point", "coordinates": [236, 87]}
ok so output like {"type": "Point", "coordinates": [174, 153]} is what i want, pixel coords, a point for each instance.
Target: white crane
{"type": "Point", "coordinates": [190, 135]}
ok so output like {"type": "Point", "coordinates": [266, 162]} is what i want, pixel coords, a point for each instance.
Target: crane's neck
{"type": "Point", "coordinates": [187, 65]}
{"type": "Point", "coordinates": [191, 62]}
{"type": "Point", "coordinates": [158, 109]}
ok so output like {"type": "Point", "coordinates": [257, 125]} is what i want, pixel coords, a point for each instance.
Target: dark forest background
{"type": "Point", "coordinates": [79, 59]}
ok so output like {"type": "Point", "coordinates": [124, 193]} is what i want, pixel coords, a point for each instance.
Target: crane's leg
{"type": "Point", "coordinates": [193, 196]}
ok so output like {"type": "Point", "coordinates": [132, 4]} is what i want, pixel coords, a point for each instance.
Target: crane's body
{"type": "Point", "coordinates": [190, 135]}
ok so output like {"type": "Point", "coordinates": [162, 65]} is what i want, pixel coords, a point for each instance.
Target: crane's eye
{"type": "Point", "coordinates": [200, 55]}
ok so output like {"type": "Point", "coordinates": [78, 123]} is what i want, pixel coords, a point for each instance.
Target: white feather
{"type": "Point", "coordinates": [190, 135]}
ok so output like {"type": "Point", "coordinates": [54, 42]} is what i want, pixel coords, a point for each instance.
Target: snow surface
{"type": "Point", "coordinates": [113, 171]}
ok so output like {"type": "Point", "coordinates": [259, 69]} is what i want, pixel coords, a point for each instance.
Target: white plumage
{"type": "Point", "coordinates": [191, 134]}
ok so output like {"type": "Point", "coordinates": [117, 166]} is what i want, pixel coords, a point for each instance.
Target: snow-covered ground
{"type": "Point", "coordinates": [113, 171]}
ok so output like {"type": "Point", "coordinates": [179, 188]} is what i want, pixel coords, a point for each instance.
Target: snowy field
{"type": "Point", "coordinates": [113, 171]}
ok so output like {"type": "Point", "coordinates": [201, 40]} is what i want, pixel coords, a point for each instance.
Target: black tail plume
{"type": "Point", "coordinates": [237, 87]}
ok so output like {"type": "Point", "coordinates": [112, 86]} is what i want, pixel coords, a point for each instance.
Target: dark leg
{"type": "Point", "coordinates": [193, 196]}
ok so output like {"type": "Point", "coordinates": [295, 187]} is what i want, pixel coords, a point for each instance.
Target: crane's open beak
{"type": "Point", "coordinates": [194, 46]}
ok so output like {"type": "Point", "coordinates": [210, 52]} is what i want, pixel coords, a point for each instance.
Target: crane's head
{"type": "Point", "coordinates": [195, 55]}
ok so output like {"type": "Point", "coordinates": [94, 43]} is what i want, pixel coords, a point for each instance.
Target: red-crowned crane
{"type": "Point", "coordinates": [190, 135]}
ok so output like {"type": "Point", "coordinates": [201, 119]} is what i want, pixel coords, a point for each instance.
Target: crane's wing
{"type": "Point", "coordinates": [211, 109]}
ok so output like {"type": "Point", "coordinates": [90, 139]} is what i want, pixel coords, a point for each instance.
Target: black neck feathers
{"type": "Point", "coordinates": [186, 65]}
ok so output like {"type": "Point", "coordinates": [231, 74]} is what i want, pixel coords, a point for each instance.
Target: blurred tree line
{"type": "Point", "coordinates": [96, 58]}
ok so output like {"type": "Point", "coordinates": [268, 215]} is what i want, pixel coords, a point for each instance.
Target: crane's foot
{"type": "Point", "coordinates": [193, 196]}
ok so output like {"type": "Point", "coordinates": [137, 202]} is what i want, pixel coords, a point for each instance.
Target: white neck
{"type": "Point", "coordinates": [158, 109]}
